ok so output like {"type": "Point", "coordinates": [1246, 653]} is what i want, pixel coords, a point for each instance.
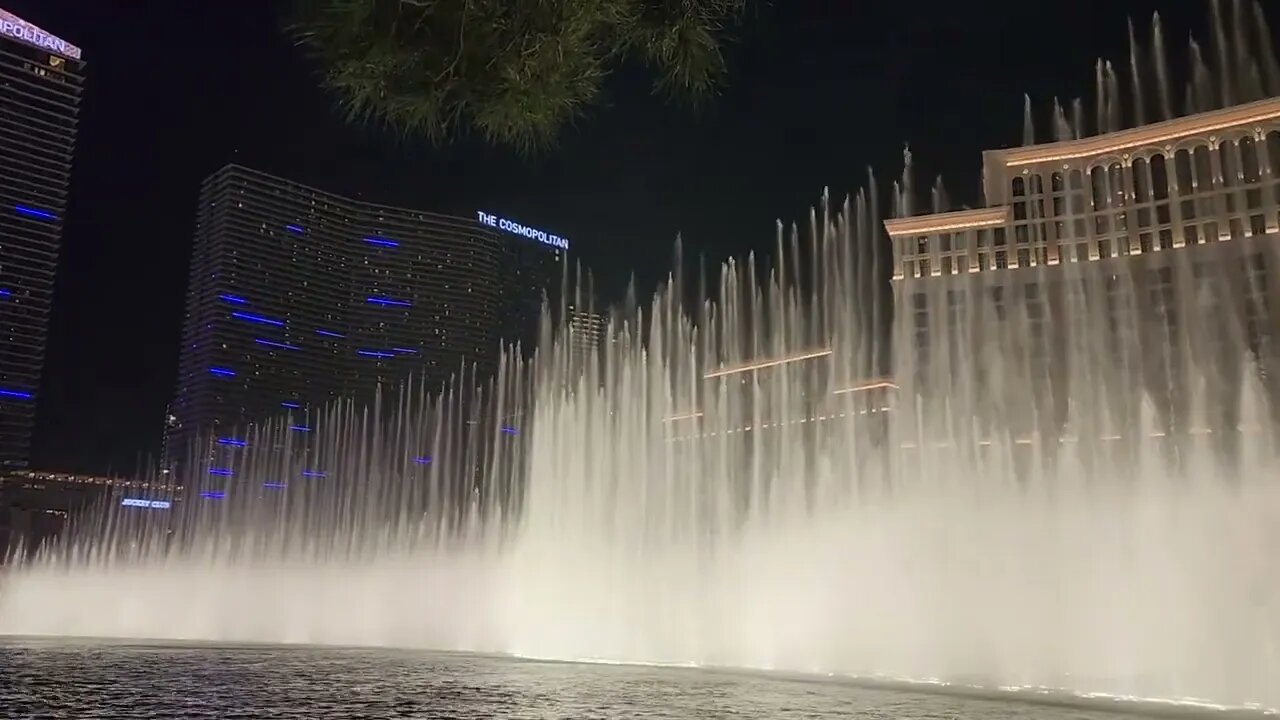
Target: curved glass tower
{"type": "Point", "coordinates": [40, 78]}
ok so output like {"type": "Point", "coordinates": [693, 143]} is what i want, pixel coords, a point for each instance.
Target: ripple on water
{"type": "Point", "coordinates": [112, 681]}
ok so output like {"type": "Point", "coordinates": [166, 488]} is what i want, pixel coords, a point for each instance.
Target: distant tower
{"type": "Point", "coordinates": [300, 296]}
{"type": "Point", "coordinates": [586, 332]}
{"type": "Point", "coordinates": [42, 77]}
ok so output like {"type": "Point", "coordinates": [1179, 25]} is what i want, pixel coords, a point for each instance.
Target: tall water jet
{"type": "Point", "coordinates": [1160, 61]}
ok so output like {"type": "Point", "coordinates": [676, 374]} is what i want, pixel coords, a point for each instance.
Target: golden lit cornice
{"type": "Point", "coordinates": [947, 221]}
{"type": "Point", "coordinates": [1161, 133]}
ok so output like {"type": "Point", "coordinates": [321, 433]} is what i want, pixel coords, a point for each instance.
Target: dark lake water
{"type": "Point", "coordinates": [117, 681]}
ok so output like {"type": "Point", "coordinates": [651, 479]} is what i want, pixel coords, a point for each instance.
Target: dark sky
{"type": "Point", "coordinates": [819, 90]}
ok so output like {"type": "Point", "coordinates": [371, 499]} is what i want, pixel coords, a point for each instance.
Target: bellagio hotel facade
{"type": "Point", "coordinates": [1114, 287]}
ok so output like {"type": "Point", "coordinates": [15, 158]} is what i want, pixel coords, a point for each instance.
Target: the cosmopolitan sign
{"type": "Point", "coordinates": [15, 27]}
{"type": "Point", "coordinates": [516, 228]}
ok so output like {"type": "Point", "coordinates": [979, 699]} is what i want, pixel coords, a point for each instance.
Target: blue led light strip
{"type": "Point", "coordinates": [222, 372]}
{"type": "Point", "coordinates": [290, 405]}
{"type": "Point", "coordinates": [294, 228]}
{"type": "Point", "coordinates": [233, 442]}
{"type": "Point", "coordinates": [404, 350]}
{"type": "Point", "coordinates": [35, 212]}
{"type": "Point", "coordinates": [422, 460]}
{"type": "Point", "coordinates": [256, 318]}
{"type": "Point", "coordinates": [314, 474]}
{"type": "Point", "coordinates": [226, 472]}
{"type": "Point", "coordinates": [329, 333]}
{"type": "Point", "coordinates": [299, 428]}
{"type": "Point", "coordinates": [382, 241]}
{"type": "Point", "coordinates": [5, 292]}
{"type": "Point", "coordinates": [213, 495]}
{"type": "Point", "coordinates": [375, 353]}
{"type": "Point", "coordinates": [19, 394]}
{"type": "Point", "coordinates": [236, 299]}
{"type": "Point", "coordinates": [274, 486]}
{"type": "Point", "coordinates": [274, 344]}
{"type": "Point", "coordinates": [510, 431]}
{"type": "Point", "coordinates": [386, 301]}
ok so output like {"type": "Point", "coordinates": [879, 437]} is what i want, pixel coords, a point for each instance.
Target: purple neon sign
{"type": "Point", "coordinates": [12, 26]}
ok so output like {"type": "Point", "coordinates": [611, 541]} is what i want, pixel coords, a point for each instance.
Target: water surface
{"type": "Point", "coordinates": [83, 679]}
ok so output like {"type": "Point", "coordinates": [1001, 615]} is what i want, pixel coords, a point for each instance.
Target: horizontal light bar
{"type": "Point", "coordinates": [878, 385]}
{"type": "Point", "coordinates": [35, 212]}
{"type": "Point", "coordinates": [510, 431]}
{"type": "Point", "coordinates": [225, 472]}
{"type": "Point", "coordinates": [257, 318]}
{"type": "Point", "coordinates": [274, 486]}
{"type": "Point", "coordinates": [213, 495]}
{"type": "Point", "coordinates": [422, 460]}
{"type": "Point", "coordinates": [274, 344]}
{"type": "Point", "coordinates": [222, 372]}
{"type": "Point", "coordinates": [299, 428]}
{"type": "Point", "coordinates": [294, 228]}
{"type": "Point", "coordinates": [233, 442]}
{"type": "Point", "coordinates": [383, 242]}
{"type": "Point", "coordinates": [766, 364]}
{"type": "Point", "coordinates": [233, 299]}
{"type": "Point", "coordinates": [329, 333]}
{"type": "Point", "coordinates": [290, 405]}
{"type": "Point", "coordinates": [18, 394]}
{"type": "Point", "coordinates": [314, 474]}
{"type": "Point", "coordinates": [375, 353]}
{"type": "Point", "coordinates": [387, 301]}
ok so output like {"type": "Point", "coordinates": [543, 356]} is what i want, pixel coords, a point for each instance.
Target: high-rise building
{"type": "Point", "coordinates": [586, 330]}
{"type": "Point", "coordinates": [41, 78]}
{"type": "Point", "coordinates": [299, 297]}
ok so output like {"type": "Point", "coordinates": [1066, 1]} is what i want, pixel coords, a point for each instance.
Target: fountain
{"type": "Point", "coordinates": [752, 479]}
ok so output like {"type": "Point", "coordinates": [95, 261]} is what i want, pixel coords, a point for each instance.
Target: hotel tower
{"type": "Point", "coordinates": [41, 78]}
{"type": "Point", "coordinates": [1114, 277]}
{"type": "Point", "coordinates": [299, 297]}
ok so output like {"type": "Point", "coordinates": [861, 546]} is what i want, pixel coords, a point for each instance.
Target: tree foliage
{"type": "Point", "coordinates": [515, 71]}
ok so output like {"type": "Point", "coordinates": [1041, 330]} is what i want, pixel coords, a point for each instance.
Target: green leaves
{"type": "Point", "coordinates": [515, 71]}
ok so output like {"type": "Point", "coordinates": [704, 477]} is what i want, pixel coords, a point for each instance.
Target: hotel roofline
{"type": "Point", "coordinates": [19, 30]}
{"type": "Point", "coordinates": [1163, 135]}
{"type": "Point", "coordinates": [349, 200]}
{"type": "Point", "coordinates": [1121, 146]}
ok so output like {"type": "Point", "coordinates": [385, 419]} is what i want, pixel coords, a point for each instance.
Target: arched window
{"type": "Point", "coordinates": [1141, 183]}
{"type": "Point", "coordinates": [1227, 153]}
{"type": "Point", "coordinates": [1182, 171]}
{"type": "Point", "coordinates": [1249, 161]}
{"type": "Point", "coordinates": [1116, 185]}
{"type": "Point", "coordinates": [1098, 182]}
{"type": "Point", "coordinates": [1273, 153]}
{"type": "Point", "coordinates": [1204, 169]}
{"type": "Point", "coordinates": [1058, 182]}
{"type": "Point", "coordinates": [1159, 178]}
{"type": "Point", "coordinates": [1019, 186]}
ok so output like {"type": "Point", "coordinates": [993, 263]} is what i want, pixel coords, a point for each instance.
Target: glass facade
{"type": "Point", "coordinates": [41, 96]}
{"type": "Point", "coordinates": [299, 297]}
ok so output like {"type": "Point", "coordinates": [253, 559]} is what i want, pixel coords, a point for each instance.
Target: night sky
{"type": "Point", "coordinates": [818, 90]}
